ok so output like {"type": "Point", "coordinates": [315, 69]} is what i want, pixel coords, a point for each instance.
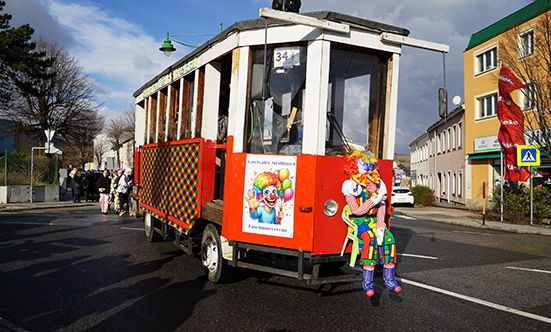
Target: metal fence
{"type": "Point", "coordinates": [15, 169]}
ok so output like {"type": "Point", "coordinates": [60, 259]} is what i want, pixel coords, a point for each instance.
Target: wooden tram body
{"type": "Point", "coordinates": [280, 96]}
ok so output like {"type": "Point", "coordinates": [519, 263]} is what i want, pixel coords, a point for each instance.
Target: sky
{"type": "Point", "coordinates": [117, 41]}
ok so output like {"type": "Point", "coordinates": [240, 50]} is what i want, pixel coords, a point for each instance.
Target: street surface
{"type": "Point", "coordinates": [77, 270]}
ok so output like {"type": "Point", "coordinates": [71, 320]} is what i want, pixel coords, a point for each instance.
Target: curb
{"type": "Point", "coordinates": [474, 223]}
{"type": "Point", "coordinates": [17, 208]}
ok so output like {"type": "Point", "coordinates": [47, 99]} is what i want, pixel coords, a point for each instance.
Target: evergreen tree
{"type": "Point", "coordinates": [17, 55]}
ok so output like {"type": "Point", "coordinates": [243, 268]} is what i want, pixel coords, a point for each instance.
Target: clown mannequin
{"type": "Point", "coordinates": [365, 194]}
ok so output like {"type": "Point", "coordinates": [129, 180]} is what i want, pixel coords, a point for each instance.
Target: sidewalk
{"type": "Point", "coordinates": [460, 216]}
{"type": "Point", "coordinates": [14, 207]}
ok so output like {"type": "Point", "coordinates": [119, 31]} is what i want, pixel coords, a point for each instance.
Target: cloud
{"type": "Point", "coordinates": [120, 55]}
{"type": "Point", "coordinates": [449, 22]}
{"type": "Point", "coordinates": [99, 89]}
{"type": "Point", "coordinates": [36, 13]}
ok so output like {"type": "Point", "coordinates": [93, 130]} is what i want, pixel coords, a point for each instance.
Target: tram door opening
{"type": "Point", "coordinates": [221, 138]}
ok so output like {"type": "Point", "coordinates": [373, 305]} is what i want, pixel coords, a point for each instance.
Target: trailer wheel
{"type": "Point", "coordinates": [215, 266]}
{"type": "Point", "coordinates": [149, 223]}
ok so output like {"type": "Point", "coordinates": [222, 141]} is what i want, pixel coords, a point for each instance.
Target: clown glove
{"type": "Point", "coordinates": [382, 190]}
{"type": "Point", "coordinates": [376, 199]}
{"type": "Point", "coordinates": [380, 236]}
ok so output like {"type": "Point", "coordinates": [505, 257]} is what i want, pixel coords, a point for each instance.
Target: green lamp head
{"type": "Point", "coordinates": [167, 47]}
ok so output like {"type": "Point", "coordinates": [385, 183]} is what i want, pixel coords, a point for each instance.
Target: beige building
{"type": "Point", "coordinates": [481, 71]}
{"type": "Point", "coordinates": [419, 153]}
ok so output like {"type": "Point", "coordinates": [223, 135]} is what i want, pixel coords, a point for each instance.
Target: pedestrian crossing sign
{"type": "Point", "coordinates": [528, 155]}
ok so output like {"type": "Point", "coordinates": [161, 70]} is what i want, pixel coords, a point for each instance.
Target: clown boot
{"type": "Point", "coordinates": [390, 283]}
{"type": "Point", "coordinates": [367, 281]}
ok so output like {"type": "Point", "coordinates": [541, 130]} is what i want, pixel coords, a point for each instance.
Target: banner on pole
{"type": "Point", "coordinates": [511, 131]}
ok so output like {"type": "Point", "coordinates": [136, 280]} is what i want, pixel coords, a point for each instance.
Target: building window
{"type": "Point", "coordinates": [530, 96]}
{"type": "Point", "coordinates": [487, 106]}
{"type": "Point", "coordinates": [449, 139]}
{"type": "Point", "coordinates": [459, 184]}
{"type": "Point", "coordinates": [454, 190]}
{"type": "Point", "coordinates": [439, 149]}
{"type": "Point", "coordinates": [444, 183]}
{"type": "Point", "coordinates": [459, 135]}
{"type": "Point", "coordinates": [487, 60]}
{"type": "Point", "coordinates": [526, 40]}
{"type": "Point", "coordinates": [454, 137]}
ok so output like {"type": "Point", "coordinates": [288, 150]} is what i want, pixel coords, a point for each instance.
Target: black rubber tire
{"type": "Point", "coordinates": [149, 222]}
{"type": "Point", "coordinates": [216, 267]}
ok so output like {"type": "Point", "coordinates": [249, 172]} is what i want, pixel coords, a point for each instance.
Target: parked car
{"type": "Point", "coordinates": [402, 195]}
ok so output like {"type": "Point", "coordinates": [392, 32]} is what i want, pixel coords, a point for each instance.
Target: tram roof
{"type": "Point", "coordinates": [260, 23]}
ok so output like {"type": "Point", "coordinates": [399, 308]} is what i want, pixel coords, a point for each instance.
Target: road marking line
{"type": "Point", "coordinates": [475, 233]}
{"type": "Point", "coordinates": [406, 217]}
{"type": "Point", "coordinates": [531, 270]}
{"type": "Point", "coordinates": [27, 223]}
{"type": "Point", "coordinates": [133, 229]}
{"type": "Point", "coordinates": [478, 301]}
{"type": "Point", "coordinates": [417, 256]}
{"type": "Point", "coordinates": [47, 223]}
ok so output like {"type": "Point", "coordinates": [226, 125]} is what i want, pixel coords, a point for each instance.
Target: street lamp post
{"type": "Point", "coordinates": [167, 47]}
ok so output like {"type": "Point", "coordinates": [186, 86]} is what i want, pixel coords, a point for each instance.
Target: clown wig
{"type": "Point", "coordinates": [351, 162]}
{"type": "Point", "coordinates": [267, 179]}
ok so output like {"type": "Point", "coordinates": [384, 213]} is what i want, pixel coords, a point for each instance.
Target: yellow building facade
{"type": "Point", "coordinates": [481, 74]}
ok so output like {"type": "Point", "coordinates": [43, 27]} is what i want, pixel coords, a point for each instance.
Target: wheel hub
{"type": "Point", "coordinates": [210, 255]}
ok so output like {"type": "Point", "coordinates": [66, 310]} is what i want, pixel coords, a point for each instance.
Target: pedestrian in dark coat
{"type": "Point", "coordinates": [78, 186]}
{"type": "Point", "coordinates": [90, 186]}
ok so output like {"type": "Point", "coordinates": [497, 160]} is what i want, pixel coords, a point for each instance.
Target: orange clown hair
{"type": "Point", "coordinates": [351, 162]}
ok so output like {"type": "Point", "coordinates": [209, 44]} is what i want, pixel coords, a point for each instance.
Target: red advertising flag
{"type": "Point", "coordinates": [514, 172]}
{"type": "Point", "coordinates": [511, 131]}
{"type": "Point", "coordinates": [508, 82]}
{"type": "Point", "coordinates": [507, 110]}
{"type": "Point", "coordinates": [510, 139]}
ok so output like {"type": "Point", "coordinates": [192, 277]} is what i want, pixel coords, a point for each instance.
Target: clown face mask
{"type": "Point", "coordinates": [270, 196]}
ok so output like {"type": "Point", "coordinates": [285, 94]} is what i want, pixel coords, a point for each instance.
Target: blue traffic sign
{"type": "Point", "coordinates": [528, 155]}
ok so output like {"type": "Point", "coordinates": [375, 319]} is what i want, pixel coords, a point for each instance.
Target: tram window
{"type": "Point", "coordinates": [352, 100]}
{"type": "Point", "coordinates": [274, 126]}
{"type": "Point", "coordinates": [187, 106]}
{"type": "Point", "coordinates": [224, 103]}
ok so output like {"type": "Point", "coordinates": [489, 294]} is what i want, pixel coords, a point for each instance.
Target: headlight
{"type": "Point", "coordinates": [331, 208]}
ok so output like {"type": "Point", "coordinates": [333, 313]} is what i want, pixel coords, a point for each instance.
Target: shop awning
{"type": "Point", "coordinates": [485, 156]}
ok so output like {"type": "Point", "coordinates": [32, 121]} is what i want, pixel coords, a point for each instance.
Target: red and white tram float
{"type": "Point", "coordinates": [240, 142]}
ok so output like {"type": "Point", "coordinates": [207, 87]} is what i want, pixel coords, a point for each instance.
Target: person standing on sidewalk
{"type": "Point", "coordinates": [77, 186]}
{"type": "Point", "coordinates": [104, 188]}
{"type": "Point", "coordinates": [114, 185]}
{"type": "Point", "coordinates": [125, 183]}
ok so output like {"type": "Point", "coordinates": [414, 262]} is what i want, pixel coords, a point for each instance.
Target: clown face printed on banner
{"type": "Point", "coordinates": [269, 195]}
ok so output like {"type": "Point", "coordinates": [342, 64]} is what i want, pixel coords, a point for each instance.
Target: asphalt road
{"type": "Point", "coordinates": [77, 270]}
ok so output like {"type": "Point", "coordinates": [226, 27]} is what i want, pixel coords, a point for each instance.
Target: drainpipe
{"type": "Point", "coordinates": [435, 154]}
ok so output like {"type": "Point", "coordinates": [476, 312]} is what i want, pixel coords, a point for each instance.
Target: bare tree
{"type": "Point", "coordinates": [81, 149]}
{"type": "Point", "coordinates": [526, 51]}
{"type": "Point", "coordinates": [61, 98]}
{"type": "Point", "coordinates": [120, 130]}
{"type": "Point", "coordinates": [100, 148]}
